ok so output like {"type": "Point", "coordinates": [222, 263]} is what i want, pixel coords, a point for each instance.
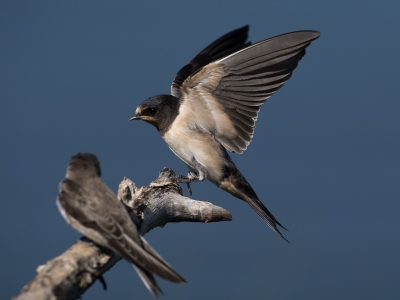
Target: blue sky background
{"type": "Point", "coordinates": [325, 157]}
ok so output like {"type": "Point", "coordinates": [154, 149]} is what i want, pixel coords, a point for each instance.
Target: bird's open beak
{"type": "Point", "coordinates": [135, 118]}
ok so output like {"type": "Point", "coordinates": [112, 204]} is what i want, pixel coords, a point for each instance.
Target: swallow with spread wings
{"type": "Point", "coordinates": [215, 103]}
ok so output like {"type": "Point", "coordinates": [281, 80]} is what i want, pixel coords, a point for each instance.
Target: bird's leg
{"type": "Point", "coordinates": [185, 179]}
{"type": "Point", "coordinates": [200, 175]}
{"type": "Point", "coordinates": [88, 271]}
{"type": "Point", "coordinates": [201, 172]}
{"type": "Point", "coordinates": [189, 189]}
{"type": "Point", "coordinates": [192, 176]}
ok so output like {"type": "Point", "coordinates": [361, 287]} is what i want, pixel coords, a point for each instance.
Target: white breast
{"type": "Point", "coordinates": [188, 143]}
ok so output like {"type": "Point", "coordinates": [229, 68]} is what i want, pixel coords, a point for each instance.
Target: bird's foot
{"type": "Point", "coordinates": [88, 272]}
{"type": "Point", "coordinates": [189, 189]}
{"type": "Point", "coordinates": [184, 179]}
{"type": "Point", "coordinates": [187, 179]}
{"type": "Point", "coordinates": [192, 177]}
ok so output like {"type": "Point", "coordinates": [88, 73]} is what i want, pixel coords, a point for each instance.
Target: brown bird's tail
{"type": "Point", "coordinates": [148, 280]}
{"type": "Point", "coordinates": [234, 183]}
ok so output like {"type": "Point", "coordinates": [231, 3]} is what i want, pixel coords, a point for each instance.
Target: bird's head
{"type": "Point", "coordinates": [84, 165]}
{"type": "Point", "coordinates": [159, 111]}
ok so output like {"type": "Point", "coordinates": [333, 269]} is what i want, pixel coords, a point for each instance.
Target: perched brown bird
{"type": "Point", "coordinates": [90, 207]}
{"type": "Point", "coordinates": [215, 102]}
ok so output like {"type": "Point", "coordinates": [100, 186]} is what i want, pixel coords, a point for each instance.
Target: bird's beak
{"type": "Point", "coordinates": [135, 118]}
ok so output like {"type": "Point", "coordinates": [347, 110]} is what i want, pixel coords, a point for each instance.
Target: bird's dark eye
{"type": "Point", "coordinates": [152, 111]}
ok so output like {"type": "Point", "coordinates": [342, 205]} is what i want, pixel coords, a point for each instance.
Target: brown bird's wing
{"type": "Point", "coordinates": [119, 240]}
{"type": "Point", "coordinates": [224, 97]}
{"type": "Point", "coordinates": [93, 211]}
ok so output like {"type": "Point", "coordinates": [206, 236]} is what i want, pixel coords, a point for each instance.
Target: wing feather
{"type": "Point", "coordinates": [109, 219]}
{"type": "Point", "coordinates": [222, 47]}
{"type": "Point", "coordinates": [243, 118]}
{"type": "Point", "coordinates": [232, 89]}
{"type": "Point", "coordinates": [119, 240]}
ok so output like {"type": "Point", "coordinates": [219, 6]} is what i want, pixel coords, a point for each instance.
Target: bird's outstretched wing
{"type": "Point", "coordinates": [224, 97]}
{"type": "Point", "coordinates": [222, 47]}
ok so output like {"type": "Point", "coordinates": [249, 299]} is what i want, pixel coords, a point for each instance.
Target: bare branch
{"type": "Point", "coordinates": [162, 202]}
{"type": "Point", "coordinates": [72, 273]}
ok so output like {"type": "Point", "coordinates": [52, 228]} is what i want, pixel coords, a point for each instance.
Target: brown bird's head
{"type": "Point", "coordinates": [84, 165]}
{"type": "Point", "coordinates": [160, 111]}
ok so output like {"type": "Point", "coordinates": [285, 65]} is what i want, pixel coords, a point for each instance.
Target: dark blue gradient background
{"type": "Point", "coordinates": [325, 158]}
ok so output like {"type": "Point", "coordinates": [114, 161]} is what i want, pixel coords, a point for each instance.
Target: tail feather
{"type": "Point", "coordinates": [265, 215]}
{"type": "Point", "coordinates": [234, 183]}
{"type": "Point", "coordinates": [143, 256]}
{"type": "Point", "coordinates": [148, 280]}
{"type": "Point", "coordinates": [167, 273]}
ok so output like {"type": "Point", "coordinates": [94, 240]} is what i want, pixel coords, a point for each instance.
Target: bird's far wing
{"type": "Point", "coordinates": [225, 45]}
{"type": "Point", "coordinates": [226, 95]}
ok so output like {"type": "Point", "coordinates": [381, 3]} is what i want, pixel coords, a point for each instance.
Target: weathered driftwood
{"type": "Point", "coordinates": [72, 273]}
